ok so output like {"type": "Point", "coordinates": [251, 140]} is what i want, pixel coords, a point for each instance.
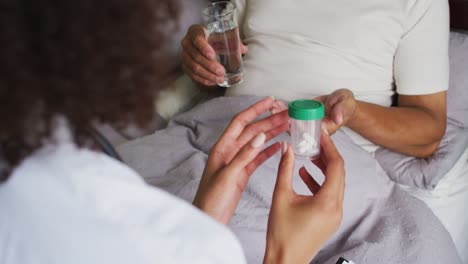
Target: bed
{"type": "Point", "coordinates": [385, 225]}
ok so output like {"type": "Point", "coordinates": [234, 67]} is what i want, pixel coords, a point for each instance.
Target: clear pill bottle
{"type": "Point", "coordinates": [306, 123]}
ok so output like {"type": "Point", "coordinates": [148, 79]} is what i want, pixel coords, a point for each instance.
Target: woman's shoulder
{"type": "Point", "coordinates": [61, 158]}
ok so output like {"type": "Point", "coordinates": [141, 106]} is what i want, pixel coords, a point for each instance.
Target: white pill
{"type": "Point", "coordinates": [303, 150]}
{"type": "Point", "coordinates": [309, 139]}
{"type": "Point", "coordinates": [302, 144]}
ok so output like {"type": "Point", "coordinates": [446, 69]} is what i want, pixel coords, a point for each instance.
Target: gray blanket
{"type": "Point", "coordinates": [426, 173]}
{"type": "Point", "coordinates": [381, 223]}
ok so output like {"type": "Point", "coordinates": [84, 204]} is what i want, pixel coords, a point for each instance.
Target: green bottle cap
{"type": "Point", "coordinates": [306, 110]}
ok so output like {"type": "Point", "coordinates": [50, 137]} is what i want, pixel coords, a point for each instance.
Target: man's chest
{"type": "Point", "coordinates": [365, 26]}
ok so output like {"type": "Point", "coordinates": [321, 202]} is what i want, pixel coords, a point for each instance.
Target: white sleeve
{"type": "Point", "coordinates": [421, 64]}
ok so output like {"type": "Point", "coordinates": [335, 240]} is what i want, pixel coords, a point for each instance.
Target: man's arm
{"type": "Point", "coordinates": [421, 66]}
{"type": "Point", "coordinates": [415, 127]}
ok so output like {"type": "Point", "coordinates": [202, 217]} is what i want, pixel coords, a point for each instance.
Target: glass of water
{"type": "Point", "coordinates": [223, 35]}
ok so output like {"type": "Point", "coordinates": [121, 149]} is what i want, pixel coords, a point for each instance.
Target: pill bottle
{"type": "Point", "coordinates": [306, 122]}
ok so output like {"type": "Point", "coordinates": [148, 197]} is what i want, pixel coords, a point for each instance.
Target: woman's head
{"type": "Point", "coordinates": [85, 60]}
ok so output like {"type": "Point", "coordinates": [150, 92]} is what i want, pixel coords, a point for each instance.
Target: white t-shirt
{"type": "Point", "coordinates": [69, 205]}
{"type": "Point", "coordinates": [306, 48]}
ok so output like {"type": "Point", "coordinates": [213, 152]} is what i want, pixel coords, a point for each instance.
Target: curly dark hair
{"type": "Point", "coordinates": [85, 60]}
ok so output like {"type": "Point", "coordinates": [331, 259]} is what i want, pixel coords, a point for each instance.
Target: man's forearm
{"type": "Point", "coordinates": [410, 130]}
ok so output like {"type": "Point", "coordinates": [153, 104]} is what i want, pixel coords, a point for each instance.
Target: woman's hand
{"type": "Point", "coordinates": [198, 58]}
{"type": "Point", "coordinates": [299, 225]}
{"type": "Point", "coordinates": [340, 107]}
{"type": "Point", "coordinates": [235, 157]}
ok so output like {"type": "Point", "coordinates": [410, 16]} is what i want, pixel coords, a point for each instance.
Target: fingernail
{"type": "Point", "coordinates": [220, 72]}
{"type": "Point", "coordinates": [258, 140]}
{"type": "Point", "coordinates": [272, 97]}
{"type": "Point", "coordinates": [340, 120]}
{"type": "Point", "coordinates": [274, 111]}
{"type": "Point", "coordinates": [284, 147]}
{"type": "Point", "coordinates": [324, 130]}
{"type": "Point", "coordinates": [219, 80]}
{"type": "Point", "coordinates": [210, 55]}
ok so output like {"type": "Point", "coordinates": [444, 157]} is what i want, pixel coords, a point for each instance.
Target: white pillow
{"type": "Point", "coordinates": [177, 97]}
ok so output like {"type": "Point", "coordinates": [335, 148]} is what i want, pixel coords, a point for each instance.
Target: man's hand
{"type": "Point", "coordinates": [340, 108]}
{"type": "Point", "coordinates": [198, 58]}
